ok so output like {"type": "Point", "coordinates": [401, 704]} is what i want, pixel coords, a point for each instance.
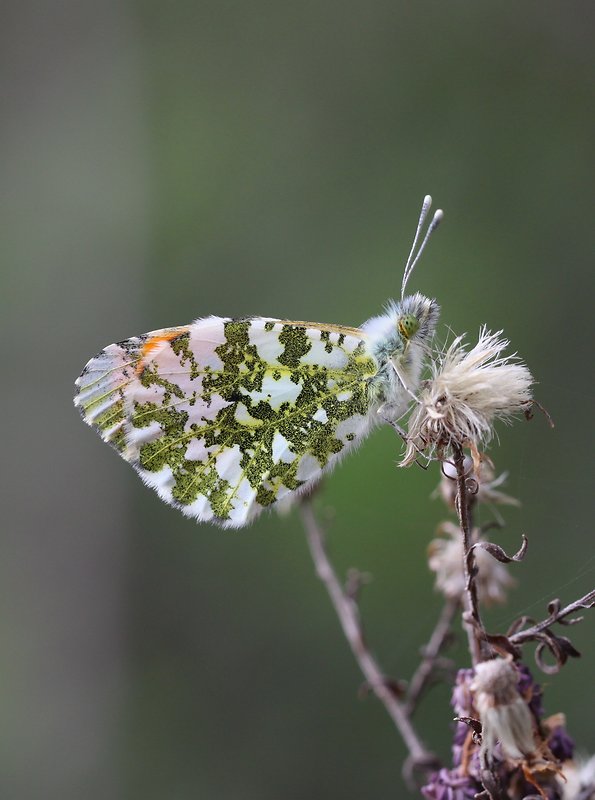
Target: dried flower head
{"type": "Point", "coordinates": [446, 561]}
{"type": "Point", "coordinates": [504, 714]}
{"type": "Point", "coordinates": [467, 392]}
{"type": "Point", "coordinates": [518, 749]}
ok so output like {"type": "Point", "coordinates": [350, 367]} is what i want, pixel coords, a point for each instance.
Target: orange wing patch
{"type": "Point", "coordinates": [154, 343]}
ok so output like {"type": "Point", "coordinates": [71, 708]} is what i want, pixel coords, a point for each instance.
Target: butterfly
{"type": "Point", "coordinates": [226, 417]}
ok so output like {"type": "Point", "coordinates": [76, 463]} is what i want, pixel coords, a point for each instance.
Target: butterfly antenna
{"type": "Point", "coordinates": [414, 257]}
{"type": "Point", "coordinates": [425, 207]}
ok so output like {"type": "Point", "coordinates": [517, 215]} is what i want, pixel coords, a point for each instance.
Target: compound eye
{"type": "Point", "coordinates": [408, 326]}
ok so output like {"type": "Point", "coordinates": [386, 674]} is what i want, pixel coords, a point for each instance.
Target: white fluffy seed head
{"type": "Point", "coordinates": [467, 392]}
{"type": "Point", "coordinates": [505, 716]}
{"type": "Point", "coordinates": [446, 561]}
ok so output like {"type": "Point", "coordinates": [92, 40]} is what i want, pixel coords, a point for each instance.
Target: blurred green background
{"type": "Point", "coordinates": [164, 161]}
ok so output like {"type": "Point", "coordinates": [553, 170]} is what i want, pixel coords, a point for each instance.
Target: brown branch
{"type": "Point", "coordinates": [557, 614]}
{"type": "Point", "coordinates": [348, 612]}
{"type": "Point", "coordinates": [473, 624]}
{"type": "Point", "coordinates": [431, 652]}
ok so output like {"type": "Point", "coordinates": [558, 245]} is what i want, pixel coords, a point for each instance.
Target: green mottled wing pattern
{"type": "Point", "coordinates": [226, 417]}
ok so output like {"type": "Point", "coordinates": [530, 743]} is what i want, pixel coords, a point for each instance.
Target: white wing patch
{"type": "Point", "coordinates": [225, 417]}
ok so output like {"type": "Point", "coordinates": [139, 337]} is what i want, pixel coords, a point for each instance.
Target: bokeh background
{"type": "Point", "coordinates": [163, 161]}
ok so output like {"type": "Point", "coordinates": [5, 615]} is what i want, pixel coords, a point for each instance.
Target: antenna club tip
{"type": "Point", "coordinates": [438, 216]}
{"type": "Point", "coordinates": [428, 200]}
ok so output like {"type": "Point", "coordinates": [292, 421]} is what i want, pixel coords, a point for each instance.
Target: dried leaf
{"type": "Point", "coordinates": [559, 647]}
{"type": "Point", "coordinates": [475, 726]}
{"type": "Point", "coordinates": [499, 553]}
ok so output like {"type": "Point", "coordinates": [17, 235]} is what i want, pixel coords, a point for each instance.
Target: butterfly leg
{"type": "Point", "coordinates": [388, 413]}
{"type": "Point", "coordinates": [385, 415]}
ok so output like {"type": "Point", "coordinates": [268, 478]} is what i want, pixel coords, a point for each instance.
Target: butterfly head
{"type": "Point", "coordinates": [408, 326]}
{"type": "Point", "coordinates": [416, 317]}
{"type": "Point", "coordinates": [404, 330]}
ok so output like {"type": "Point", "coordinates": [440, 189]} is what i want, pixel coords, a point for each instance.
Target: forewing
{"type": "Point", "coordinates": [225, 417]}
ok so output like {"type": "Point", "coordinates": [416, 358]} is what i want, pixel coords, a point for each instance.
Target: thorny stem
{"type": "Point", "coordinates": [349, 617]}
{"type": "Point", "coordinates": [473, 623]}
{"type": "Point", "coordinates": [431, 652]}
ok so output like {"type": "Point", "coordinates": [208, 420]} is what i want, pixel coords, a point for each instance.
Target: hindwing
{"type": "Point", "coordinates": [225, 417]}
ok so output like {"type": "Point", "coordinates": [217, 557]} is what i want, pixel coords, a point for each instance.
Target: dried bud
{"type": "Point", "coordinates": [504, 714]}
{"type": "Point", "coordinates": [467, 392]}
{"type": "Point", "coordinates": [446, 560]}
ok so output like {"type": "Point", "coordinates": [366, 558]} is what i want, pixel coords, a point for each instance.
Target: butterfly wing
{"type": "Point", "coordinates": [225, 417]}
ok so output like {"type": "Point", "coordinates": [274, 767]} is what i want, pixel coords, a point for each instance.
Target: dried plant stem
{"type": "Point", "coordinates": [472, 618]}
{"type": "Point", "coordinates": [557, 615]}
{"type": "Point", "coordinates": [431, 652]}
{"type": "Point", "coordinates": [349, 617]}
